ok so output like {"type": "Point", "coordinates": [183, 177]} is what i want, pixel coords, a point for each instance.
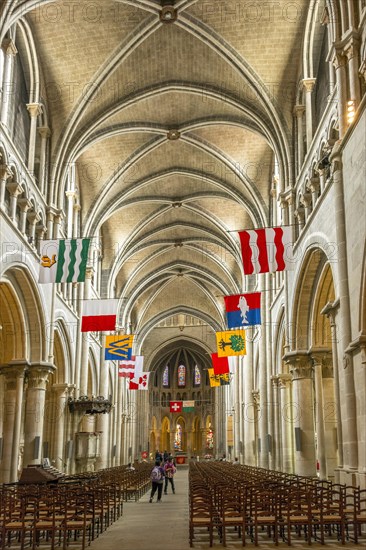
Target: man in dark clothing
{"type": "Point", "coordinates": [166, 455]}
{"type": "Point", "coordinates": [157, 480]}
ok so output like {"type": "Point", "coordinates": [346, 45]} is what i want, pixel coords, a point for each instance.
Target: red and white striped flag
{"type": "Point", "coordinates": [131, 367]}
{"type": "Point", "coordinates": [266, 250]}
{"type": "Point", "coordinates": [99, 315]}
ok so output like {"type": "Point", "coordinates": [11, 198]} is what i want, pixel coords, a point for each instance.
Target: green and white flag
{"type": "Point", "coordinates": [64, 261]}
{"type": "Point", "coordinates": [188, 406]}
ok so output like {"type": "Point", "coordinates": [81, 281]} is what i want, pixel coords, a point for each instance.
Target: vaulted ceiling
{"type": "Point", "coordinates": [174, 128]}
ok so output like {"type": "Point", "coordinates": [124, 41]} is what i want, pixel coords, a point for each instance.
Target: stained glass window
{"type": "Point", "coordinates": [166, 377]}
{"type": "Point", "coordinates": [181, 376]}
{"type": "Point", "coordinates": [178, 438]}
{"type": "Point", "coordinates": [197, 376]}
{"type": "Point", "coordinates": [210, 438]}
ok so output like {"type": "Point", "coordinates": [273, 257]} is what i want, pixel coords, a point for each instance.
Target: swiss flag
{"type": "Point", "coordinates": [176, 406]}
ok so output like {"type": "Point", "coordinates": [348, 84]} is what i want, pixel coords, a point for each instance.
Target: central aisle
{"type": "Point", "coordinates": [156, 526]}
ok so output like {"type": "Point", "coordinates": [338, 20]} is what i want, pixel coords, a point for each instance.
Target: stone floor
{"type": "Point", "coordinates": [164, 526]}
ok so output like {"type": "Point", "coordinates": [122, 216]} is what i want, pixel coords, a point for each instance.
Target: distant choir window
{"type": "Point", "coordinates": [166, 377]}
{"type": "Point", "coordinates": [197, 376]}
{"type": "Point", "coordinates": [181, 376]}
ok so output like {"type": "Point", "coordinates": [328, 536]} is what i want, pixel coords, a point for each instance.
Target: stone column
{"type": "Point", "coordinates": [317, 358]}
{"type": "Point", "coordinates": [305, 200]}
{"type": "Point", "coordinates": [303, 409]}
{"type": "Point", "coordinates": [45, 134]}
{"type": "Point", "coordinates": [61, 393]}
{"type": "Point", "coordinates": [330, 417]}
{"type": "Point", "coordinates": [350, 436]}
{"type": "Point", "coordinates": [299, 113]}
{"type": "Point", "coordinates": [103, 419]}
{"type": "Point", "coordinates": [34, 110]}
{"type": "Point", "coordinates": [25, 205]}
{"type": "Point", "coordinates": [5, 174]}
{"type": "Point", "coordinates": [286, 419]}
{"type": "Point", "coordinates": [314, 188]}
{"type": "Point", "coordinates": [353, 60]}
{"type": "Point", "coordinates": [15, 190]}
{"type": "Point", "coordinates": [300, 216]}
{"type": "Point", "coordinates": [330, 311]}
{"type": "Point", "coordinates": [263, 377]}
{"type": "Point", "coordinates": [119, 406]}
{"type": "Point", "coordinates": [70, 212]}
{"type": "Point", "coordinates": [10, 52]}
{"type": "Point", "coordinates": [341, 76]}
{"type": "Point", "coordinates": [34, 411]}
{"type": "Point", "coordinates": [249, 409]}
{"type": "Point", "coordinates": [41, 230]}
{"type": "Point", "coordinates": [237, 406]}
{"type": "Point", "coordinates": [33, 218]}
{"type": "Point", "coordinates": [13, 404]}
{"type": "Point", "coordinates": [309, 84]}
{"type": "Point", "coordinates": [276, 447]}
{"type": "Point", "coordinates": [85, 340]}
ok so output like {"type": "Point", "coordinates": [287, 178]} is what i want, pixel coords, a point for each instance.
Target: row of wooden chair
{"type": "Point", "coordinates": [72, 512]}
{"type": "Point", "coordinates": [250, 502]}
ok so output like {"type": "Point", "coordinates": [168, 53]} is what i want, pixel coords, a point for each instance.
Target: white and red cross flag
{"type": "Point", "coordinates": [266, 250]}
{"type": "Point", "coordinates": [176, 406]}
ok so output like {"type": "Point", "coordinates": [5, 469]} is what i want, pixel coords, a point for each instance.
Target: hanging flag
{"type": "Point", "coordinates": [118, 347]}
{"type": "Point", "coordinates": [230, 342]}
{"type": "Point", "coordinates": [188, 406]}
{"type": "Point", "coordinates": [266, 250]}
{"type": "Point", "coordinates": [141, 382]}
{"type": "Point", "coordinates": [220, 364]}
{"type": "Point", "coordinates": [176, 406]}
{"type": "Point", "coordinates": [99, 315]}
{"type": "Point", "coordinates": [131, 368]}
{"type": "Point", "coordinates": [217, 380]}
{"type": "Point", "coordinates": [63, 261]}
{"type": "Point", "coordinates": [243, 309]}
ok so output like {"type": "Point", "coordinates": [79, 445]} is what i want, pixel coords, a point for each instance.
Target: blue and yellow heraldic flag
{"type": "Point", "coordinates": [118, 347]}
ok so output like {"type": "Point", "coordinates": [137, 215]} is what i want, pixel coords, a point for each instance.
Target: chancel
{"type": "Point", "coordinates": [183, 265]}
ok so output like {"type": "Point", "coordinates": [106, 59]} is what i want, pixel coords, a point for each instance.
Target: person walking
{"type": "Point", "coordinates": [157, 480]}
{"type": "Point", "coordinates": [169, 471]}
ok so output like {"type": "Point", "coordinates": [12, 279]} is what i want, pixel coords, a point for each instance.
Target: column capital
{"type": "Point", "coordinates": [41, 230]}
{"type": "Point", "coordinates": [314, 184]}
{"type": "Point", "coordinates": [284, 380]}
{"type": "Point", "coordinates": [256, 397]}
{"type": "Point", "coordinates": [357, 344]}
{"type": "Point", "coordinates": [8, 47]}
{"type": "Point", "coordinates": [89, 272]}
{"type": "Point", "coordinates": [70, 194]}
{"type": "Point", "coordinates": [274, 380]}
{"type": "Point", "coordinates": [5, 172]}
{"type": "Point", "coordinates": [44, 132]}
{"type": "Point", "coordinates": [37, 375]}
{"type": "Point", "coordinates": [322, 358]}
{"type": "Point", "coordinates": [305, 199]}
{"type": "Point", "coordinates": [62, 390]}
{"type": "Point", "coordinates": [330, 309]}
{"type": "Point", "coordinates": [308, 84]}
{"type": "Point", "coordinates": [77, 207]}
{"type": "Point", "coordinates": [33, 217]}
{"type": "Point", "coordinates": [25, 204]}
{"type": "Point", "coordinates": [14, 369]}
{"type": "Point", "coordinates": [34, 109]}
{"type": "Point", "coordinates": [300, 365]}
{"type": "Point", "coordinates": [14, 188]}
{"type": "Point", "coordinates": [299, 213]}
{"type": "Point", "coordinates": [299, 110]}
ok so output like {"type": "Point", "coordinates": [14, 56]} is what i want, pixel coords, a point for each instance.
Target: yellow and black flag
{"type": "Point", "coordinates": [231, 342]}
